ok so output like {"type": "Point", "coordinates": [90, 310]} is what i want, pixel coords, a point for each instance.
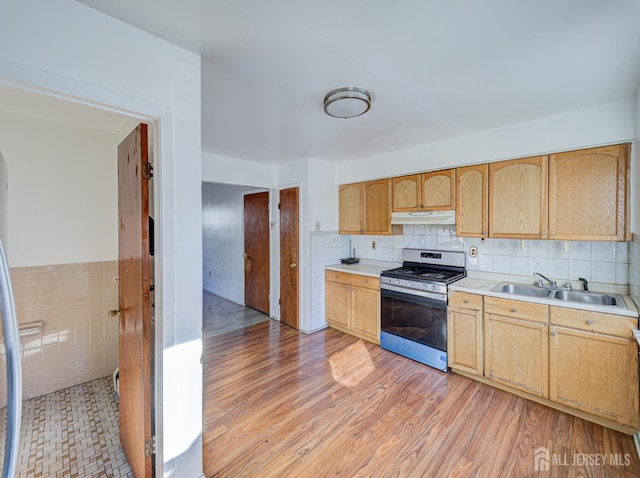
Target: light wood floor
{"type": "Point", "coordinates": [281, 403]}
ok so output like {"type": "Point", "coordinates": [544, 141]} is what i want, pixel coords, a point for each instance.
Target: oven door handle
{"type": "Point", "coordinates": [414, 299]}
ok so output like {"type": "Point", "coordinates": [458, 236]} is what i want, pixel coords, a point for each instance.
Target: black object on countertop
{"type": "Point", "coordinates": [350, 260]}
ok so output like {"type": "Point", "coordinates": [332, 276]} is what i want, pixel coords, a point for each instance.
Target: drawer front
{"type": "Point", "coordinates": [335, 276]}
{"type": "Point", "coordinates": [365, 281]}
{"type": "Point", "coordinates": [616, 325]}
{"type": "Point", "coordinates": [464, 300]}
{"type": "Point", "coordinates": [517, 309]}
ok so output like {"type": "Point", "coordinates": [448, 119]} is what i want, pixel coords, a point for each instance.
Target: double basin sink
{"type": "Point", "coordinates": [561, 294]}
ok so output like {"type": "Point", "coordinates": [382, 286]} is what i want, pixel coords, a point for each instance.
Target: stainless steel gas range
{"type": "Point", "coordinates": [414, 304]}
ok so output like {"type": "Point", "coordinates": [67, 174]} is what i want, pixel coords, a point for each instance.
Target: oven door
{"type": "Point", "coordinates": [414, 317]}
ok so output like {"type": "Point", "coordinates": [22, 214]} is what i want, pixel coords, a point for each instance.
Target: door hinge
{"type": "Point", "coordinates": [278, 205]}
{"type": "Point", "coordinates": [147, 171]}
{"type": "Point", "coordinates": [150, 446]}
{"type": "Point", "coordinates": [279, 301]}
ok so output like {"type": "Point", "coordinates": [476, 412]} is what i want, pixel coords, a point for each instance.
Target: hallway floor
{"type": "Point", "coordinates": [70, 433]}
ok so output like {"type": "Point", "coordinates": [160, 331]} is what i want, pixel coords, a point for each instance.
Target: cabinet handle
{"type": "Point", "coordinates": [552, 233]}
{"type": "Point", "coordinates": [589, 322]}
{"type": "Point", "coordinates": [484, 233]}
{"type": "Point", "coordinates": [513, 309]}
{"type": "Point", "coordinates": [466, 301]}
{"type": "Point", "coordinates": [553, 332]}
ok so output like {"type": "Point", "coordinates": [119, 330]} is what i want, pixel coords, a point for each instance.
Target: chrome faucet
{"type": "Point", "coordinates": [585, 284]}
{"type": "Point", "coordinates": [539, 282]}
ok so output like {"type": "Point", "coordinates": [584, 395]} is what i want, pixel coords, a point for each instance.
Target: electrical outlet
{"type": "Point", "coordinates": [473, 251]}
{"type": "Point", "coordinates": [373, 245]}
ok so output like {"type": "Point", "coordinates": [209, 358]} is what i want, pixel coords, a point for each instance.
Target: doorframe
{"type": "Point", "coordinates": [160, 119]}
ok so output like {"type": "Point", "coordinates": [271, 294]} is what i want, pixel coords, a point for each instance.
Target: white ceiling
{"type": "Point", "coordinates": [437, 69]}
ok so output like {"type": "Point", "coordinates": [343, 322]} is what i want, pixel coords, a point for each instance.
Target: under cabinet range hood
{"type": "Point", "coordinates": [424, 217]}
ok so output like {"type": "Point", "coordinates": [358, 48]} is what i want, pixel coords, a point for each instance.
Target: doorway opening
{"type": "Point", "coordinates": [62, 227]}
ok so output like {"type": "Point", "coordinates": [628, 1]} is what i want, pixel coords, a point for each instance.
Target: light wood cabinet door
{"type": "Point", "coordinates": [350, 199]}
{"type": "Point", "coordinates": [472, 213]}
{"type": "Point", "coordinates": [365, 311]}
{"type": "Point", "coordinates": [406, 193]}
{"type": "Point", "coordinates": [518, 198]}
{"type": "Point", "coordinates": [377, 207]}
{"type": "Point", "coordinates": [517, 353]}
{"type": "Point", "coordinates": [337, 303]}
{"type": "Point", "coordinates": [588, 194]}
{"type": "Point", "coordinates": [595, 373]}
{"type": "Point", "coordinates": [464, 340]}
{"type": "Point", "coordinates": [438, 190]}
{"type": "Point", "coordinates": [464, 333]}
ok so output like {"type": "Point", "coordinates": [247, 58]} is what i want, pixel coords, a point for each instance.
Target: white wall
{"type": "Point", "coordinates": [65, 47]}
{"type": "Point", "coordinates": [605, 124]}
{"type": "Point", "coordinates": [64, 192]}
{"type": "Point", "coordinates": [225, 170]}
{"type": "Point", "coordinates": [323, 195]}
{"type": "Point", "coordinates": [223, 240]}
{"type": "Point", "coordinates": [4, 202]}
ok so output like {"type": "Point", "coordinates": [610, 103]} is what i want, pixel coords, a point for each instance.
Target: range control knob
{"type": "Point", "coordinates": [409, 284]}
{"type": "Point", "coordinates": [397, 282]}
{"type": "Point", "coordinates": [434, 287]}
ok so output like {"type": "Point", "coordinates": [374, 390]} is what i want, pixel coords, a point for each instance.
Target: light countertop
{"type": "Point", "coordinates": [365, 267]}
{"type": "Point", "coordinates": [483, 285]}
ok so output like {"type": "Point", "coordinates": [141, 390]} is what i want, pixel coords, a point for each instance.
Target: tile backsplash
{"type": "Point", "coordinates": [607, 262]}
{"type": "Point", "coordinates": [78, 341]}
{"type": "Point", "coordinates": [634, 269]}
{"type": "Point", "coordinates": [595, 261]}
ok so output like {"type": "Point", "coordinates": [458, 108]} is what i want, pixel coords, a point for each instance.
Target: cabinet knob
{"type": "Point", "coordinates": [553, 332]}
{"type": "Point", "coordinates": [552, 233]}
{"type": "Point", "coordinates": [466, 301]}
{"type": "Point", "coordinates": [589, 322]}
{"type": "Point", "coordinates": [513, 309]}
{"type": "Point", "coordinates": [484, 233]}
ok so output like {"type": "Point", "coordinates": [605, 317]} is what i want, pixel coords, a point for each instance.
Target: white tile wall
{"type": "Point", "coordinates": [79, 341]}
{"type": "Point", "coordinates": [609, 262]}
{"type": "Point", "coordinates": [595, 261]}
{"type": "Point", "coordinates": [326, 248]}
{"type": "Point", "coordinates": [634, 269]}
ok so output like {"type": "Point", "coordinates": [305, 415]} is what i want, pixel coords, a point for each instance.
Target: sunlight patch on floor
{"type": "Point", "coordinates": [352, 365]}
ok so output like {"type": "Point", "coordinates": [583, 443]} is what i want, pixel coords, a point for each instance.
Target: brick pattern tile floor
{"type": "Point", "coordinates": [70, 433]}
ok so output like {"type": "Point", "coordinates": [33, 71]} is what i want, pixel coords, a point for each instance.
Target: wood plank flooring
{"type": "Point", "coordinates": [221, 316]}
{"type": "Point", "coordinates": [281, 403]}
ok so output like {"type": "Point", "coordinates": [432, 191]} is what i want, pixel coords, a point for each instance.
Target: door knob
{"type": "Point", "coordinates": [114, 313]}
{"type": "Point", "coordinates": [293, 264]}
{"type": "Point", "coordinates": [245, 255]}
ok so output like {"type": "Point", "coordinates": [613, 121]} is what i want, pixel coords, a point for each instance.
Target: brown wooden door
{"type": "Point", "coordinates": [256, 251]}
{"type": "Point", "coordinates": [289, 258]}
{"type": "Point", "coordinates": [134, 291]}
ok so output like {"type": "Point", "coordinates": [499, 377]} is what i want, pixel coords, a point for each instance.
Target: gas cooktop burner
{"type": "Point", "coordinates": [424, 274]}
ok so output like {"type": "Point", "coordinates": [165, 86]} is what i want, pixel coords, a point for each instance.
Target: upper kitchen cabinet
{"type": "Point", "coordinates": [365, 208]}
{"type": "Point", "coordinates": [472, 212]}
{"type": "Point", "coordinates": [377, 208]}
{"type": "Point", "coordinates": [518, 198]}
{"type": "Point", "coordinates": [407, 194]}
{"type": "Point", "coordinates": [588, 194]}
{"type": "Point", "coordinates": [432, 191]}
{"type": "Point", "coordinates": [439, 190]}
{"type": "Point", "coordinates": [351, 218]}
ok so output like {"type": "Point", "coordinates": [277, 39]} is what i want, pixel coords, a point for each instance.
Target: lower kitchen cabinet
{"type": "Point", "coordinates": [594, 372]}
{"type": "Point", "coordinates": [352, 304]}
{"type": "Point", "coordinates": [582, 362]}
{"type": "Point", "coordinates": [464, 333]}
{"type": "Point", "coordinates": [517, 354]}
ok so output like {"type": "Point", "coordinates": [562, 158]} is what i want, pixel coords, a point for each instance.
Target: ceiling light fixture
{"type": "Point", "coordinates": [347, 102]}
